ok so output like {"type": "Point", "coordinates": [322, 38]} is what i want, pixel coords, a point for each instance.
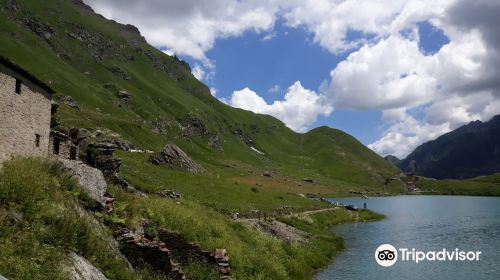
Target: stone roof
{"type": "Point", "coordinates": [8, 63]}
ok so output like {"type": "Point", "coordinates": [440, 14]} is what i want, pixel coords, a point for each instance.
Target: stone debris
{"type": "Point", "coordinates": [141, 250]}
{"type": "Point", "coordinates": [222, 259]}
{"type": "Point", "coordinates": [172, 156]}
{"type": "Point", "coordinates": [68, 100]}
{"type": "Point", "coordinates": [170, 194]}
{"type": "Point", "coordinates": [194, 127]}
{"type": "Point", "coordinates": [80, 268]}
{"type": "Point", "coordinates": [215, 142]}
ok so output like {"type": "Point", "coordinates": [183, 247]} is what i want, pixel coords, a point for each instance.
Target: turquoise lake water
{"type": "Point", "coordinates": [425, 223]}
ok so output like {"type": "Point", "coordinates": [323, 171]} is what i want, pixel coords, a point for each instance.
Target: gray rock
{"type": "Point", "coordinates": [80, 268]}
{"type": "Point", "coordinates": [91, 179]}
{"type": "Point", "coordinates": [69, 101]}
{"type": "Point", "coordinates": [124, 95]}
{"type": "Point", "coordinates": [172, 156]}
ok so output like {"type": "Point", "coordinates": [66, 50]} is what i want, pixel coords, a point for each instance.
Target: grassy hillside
{"type": "Point", "coordinates": [89, 58]}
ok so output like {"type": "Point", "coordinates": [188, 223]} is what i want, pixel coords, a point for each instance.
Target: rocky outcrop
{"type": "Point", "coordinates": [80, 268]}
{"type": "Point", "coordinates": [173, 157]}
{"type": "Point", "coordinates": [68, 100]}
{"type": "Point", "coordinates": [194, 127]}
{"type": "Point", "coordinates": [91, 179]}
{"type": "Point", "coordinates": [216, 143]}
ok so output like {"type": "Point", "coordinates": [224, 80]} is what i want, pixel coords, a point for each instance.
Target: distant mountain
{"type": "Point", "coordinates": [393, 159]}
{"type": "Point", "coordinates": [469, 151]}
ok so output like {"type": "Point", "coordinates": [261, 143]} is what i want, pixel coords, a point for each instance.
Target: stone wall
{"type": "Point", "coordinates": [23, 116]}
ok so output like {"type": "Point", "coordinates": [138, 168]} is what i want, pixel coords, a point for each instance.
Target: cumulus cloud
{"type": "Point", "coordinates": [299, 108]}
{"type": "Point", "coordinates": [386, 69]}
{"type": "Point", "coordinates": [189, 27]}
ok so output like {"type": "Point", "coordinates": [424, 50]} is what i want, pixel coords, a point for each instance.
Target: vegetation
{"type": "Point", "coordinates": [482, 185]}
{"type": "Point", "coordinates": [88, 58]}
{"type": "Point", "coordinates": [47, 200]}
{"type": "Point", "coordinates": [40, 223]}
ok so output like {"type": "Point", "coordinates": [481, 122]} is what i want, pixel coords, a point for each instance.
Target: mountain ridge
{"type": "Point", "coordinates": [469, 151]}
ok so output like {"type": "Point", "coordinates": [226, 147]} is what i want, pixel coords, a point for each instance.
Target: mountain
{"type": "Point", "coordinates": [108, 78]}
{"type": "Point", "coordinates": [468, 151]}
{"type": "Point", "coordinates": [393, 159]}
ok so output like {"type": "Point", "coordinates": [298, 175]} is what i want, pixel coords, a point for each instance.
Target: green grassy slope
{"type": "Point", "coordinates": [77, 52]}
{"type": "Point", "coordinates": [482, 185]}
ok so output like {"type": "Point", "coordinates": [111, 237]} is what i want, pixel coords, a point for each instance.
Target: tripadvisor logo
{"type": "Point", "coordinates": [387, 255]}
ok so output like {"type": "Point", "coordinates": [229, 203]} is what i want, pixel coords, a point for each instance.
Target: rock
{"type": "Point", "coordinates": [170, 194]}
{"type": "Point", "coordinates": [125, 185]}
{"type": "Point", "coordinates": [124, 95]}
{"type": "Point", "coordinates": [3, 278]}
{"type": "Point", "coordinates": [91, 179]}
{"type": "Point", "coordinates": [267, 173]}
{"type": "Point", "coordinates": [41, 29]}
{"type": "Point", "coordinates": [80, 268]}
{"type": "Point", "coordinates": [194, 127]}
{"type": "Point", "coordinates": [174, 157]}
{"type": "Point", "coordinates": [100, 155]}
{"type": "Point", "coordinates": [69, 101]}
{"type": "Point", "coordinates": [215, 142]}
{"type": "Point", "coordinates": [117, 71]}
{"type": "Point", "coordinates": [308, 180]}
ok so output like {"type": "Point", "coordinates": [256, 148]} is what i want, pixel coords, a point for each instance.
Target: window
{"type": "Point", "coordinates": [18, 86]}
{"type": "Point", "coordinates": [57, 144]}
{"type": "Point", "coordinates": [37, 140]}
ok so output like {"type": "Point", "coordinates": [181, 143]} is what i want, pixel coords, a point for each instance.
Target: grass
{"type": "Point", "coordinates": [482, 185]}
{"type": "Point", "coordinates": [40, 223]}
{"type": "Point", "coordinates": [47, 199]}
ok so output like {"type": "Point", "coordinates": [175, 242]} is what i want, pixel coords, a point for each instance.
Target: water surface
{"type": "Point", "coordinates": [425, 223]}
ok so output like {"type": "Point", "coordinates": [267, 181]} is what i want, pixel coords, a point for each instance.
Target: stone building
{"type": "Point", "coordinates": [25, 112]}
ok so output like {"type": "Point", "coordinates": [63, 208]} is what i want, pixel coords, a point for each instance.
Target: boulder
{"type": "Point", "coordinates": [124, 95]}
{"type": "Point", "coordinates": [91, 179]}
{"type": "Point", "coordinates": [172, 156]}
{"type": "Point", "coordinates": [80, 268]}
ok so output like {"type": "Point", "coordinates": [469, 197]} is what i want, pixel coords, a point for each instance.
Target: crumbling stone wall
{"type": "Point", "coordinates": [24, 118]}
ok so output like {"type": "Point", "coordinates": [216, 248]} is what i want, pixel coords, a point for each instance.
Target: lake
{"type": "Point", "coordinates": [425, 223]}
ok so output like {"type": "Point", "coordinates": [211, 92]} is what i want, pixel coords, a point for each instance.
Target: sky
{"type": "Point", "coordinates": [392, 73]}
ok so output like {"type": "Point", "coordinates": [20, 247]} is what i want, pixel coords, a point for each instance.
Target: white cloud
{"type": "Point", "coordinates": [386, 70]}
{"type": "Point", "coordinates": [268, 37]}
{"type": "Point", "coordinates": [299, 108]}
{"type": "Point", "coordinates": [214, 91]}
{"type": "Point", "coordinates": [403, 136]}
{"type": "Point", "coordinates": [198, 72]}
{"type": "Point", "coordinates": [274, 89]}
{"type": "Point", "coordinates": [189, 27]}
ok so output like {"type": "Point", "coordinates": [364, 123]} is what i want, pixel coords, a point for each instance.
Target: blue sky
{"type": "Point", "coordinates": [290, 55]}
{"type": "Point", "coordinates": [393, 73]}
